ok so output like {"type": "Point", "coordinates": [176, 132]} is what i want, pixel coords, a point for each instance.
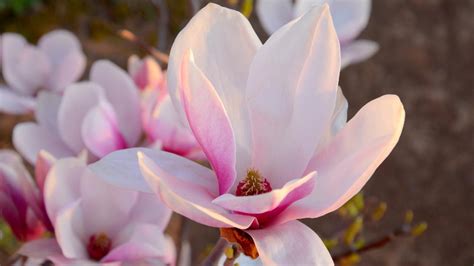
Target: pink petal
{"type": "Point", "coordinates": [121, 168]}
{"type": "Point", "coordinates": [29, 139]}
{"type": "Point", "coordinates": [69, 70]}
{"type": "Point", "coordinates": [276, 200]}
{"type": "Point", "coordinates": [40, 248]}
{"type": "Point", "coordinates": [58, 44]}
{"type": "Point", "coordinates": [149, 209]}
{"type": "Point", "coordinates": [146, 241]}
{"type": "Point", "coordinates": [338, 120]}
{"type": "Point", "coordinates": [62, 185]}
{"type": "Point", "coordinates": [100, 131]}
{"type": "Point", "coordinates": [122, 93]}
{"type": "Point", "coordinates": [291, 93]}
{"type": "Point", "coordinates": [77, 101]}
{"type": "Point", "coordinates": [187, 188]}
{"type": "Point", "coordinates": [352, 156]}
{"type": "Point", "coordinates": [69, 231]}
{"type": "Point", "coordinates": [12, 103]}
{"type": "Point", "coordinates": [43, 164]}
{"type": "Point", "coordinates": [164, 126]}
{"type": "Point", "coordinates": [274, 14]}
{"type": "Point", "coordinates": [101, 201]}
{"type": "Point", "coordinates": [68, 60]}
{"type": "Point", "coordinates": [292, 243]}
{"type": "Point", "coordinates": [18, 186]}
{"type": "Point", "coordinates": [357, 51]}
{"type": "Point", "coordinates": [209, 122]}
{"type": "Point", "coordinates": [228, 36]}
{"type": "Point", "coordinates": [12, 49]}
{"type": "Point", "coordinates": [33, 68]}
{"type": "Point", "coordinates": [146, 73]}
{"type": "Point", "coordinates": [47, 109]}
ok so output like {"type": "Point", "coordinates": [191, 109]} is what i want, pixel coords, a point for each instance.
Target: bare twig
{"type": "Point", "coordinates": [163, 23]}
{"type": "Point", "coordinates": [375, 244]}
{"type": "Point", "coordinates": [195, 5]}
{"type": "Point", "coordinates": [216, 253]}
{"type": "Point", "coordinates": [130, 36]}
{"type": "Point", "coordinates": [235, 255]}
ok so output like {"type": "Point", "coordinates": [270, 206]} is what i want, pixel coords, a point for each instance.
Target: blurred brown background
{"type": "Point", "coordinates": [426, 58]}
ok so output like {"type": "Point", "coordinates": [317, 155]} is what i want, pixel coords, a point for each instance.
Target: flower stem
{"type": "Point", "coordinates": [235, 255]}
{"type": "Point", "coordinates": [375, 244]}
{"type": "Point", "coordinates": [216, 253]}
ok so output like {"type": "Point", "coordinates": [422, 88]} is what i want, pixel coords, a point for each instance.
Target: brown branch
{"type": "Point", "coordinates": [375, 244]}
{"type": "Point", "coordinates": [131, 37]}
{"type": "Point", "coordinates": [195, 6]}
{"type": "Point", "coordinates": [163, 23]}
{"type": "Point", "coordinates": [216, 253]}
{"type": "Point", "coordinates": [235, 255]}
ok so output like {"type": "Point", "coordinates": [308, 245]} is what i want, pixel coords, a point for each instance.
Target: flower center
{"type": "Point", "coordinates": [253, 184]}
{"type": "Point", "coordinates": [99, 245]}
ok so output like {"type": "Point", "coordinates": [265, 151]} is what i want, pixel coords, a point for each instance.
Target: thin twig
{"type": "Point", "coordinates": [163, 23]}
{"type": "Point", "coordinates": [183, 236]}
{"type": "Point", "coordinates": [130, 36]}
{"type": "Point", "coordinates": [216, 253]}
{"type": "Point", "coordinates": [375, 244]}
{"type": "Point", "coordinates": [235, 255]}
{"type": "Point", "coordinates": [195, 5]}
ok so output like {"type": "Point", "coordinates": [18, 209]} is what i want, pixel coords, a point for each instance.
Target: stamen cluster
{"type": "Point", "coordinates": [99, 246]}
{"type": "Point", "coordinates": [253, 184]}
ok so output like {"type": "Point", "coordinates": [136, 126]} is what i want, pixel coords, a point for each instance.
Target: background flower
{"type": "Point", "coordinates": [54, 63]}
{"type": "Point", "coordinates": [98, 223]}
{"type": "Point", "coordinates": [21, 197]}
{"type": "Point", "coordinates": [350, 19]}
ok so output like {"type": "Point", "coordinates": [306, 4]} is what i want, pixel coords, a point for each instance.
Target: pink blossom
{"type": "Point", "coordinates": [146, 73]}
{"type": "Point", "coordinates": [97, 116]}
{"type": "Point", "coordinates": [96, 223]}
{"type": "Point", "coordinates": [160, 122]}
{"type": "Point", "coordinates": [54, 63]}
{"type": "Point", "coordinates": [272, 123]}
{"type": "Point", "coordinates": [21, 197]}
{"type": "Point", "coordinates": [350, 19]}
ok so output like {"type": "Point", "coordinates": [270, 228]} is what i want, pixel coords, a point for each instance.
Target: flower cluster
{"type": "Point", "coordinates": [116, 152]}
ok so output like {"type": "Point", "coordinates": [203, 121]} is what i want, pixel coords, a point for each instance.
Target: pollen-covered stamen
{"type": "Point", "coordinates": [99, 246]}
{"type": "Point", "coordinates": [253, 184]}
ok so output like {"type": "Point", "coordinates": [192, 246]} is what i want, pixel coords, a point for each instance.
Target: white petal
{"type": "Point", "coordinates": [291, 94]}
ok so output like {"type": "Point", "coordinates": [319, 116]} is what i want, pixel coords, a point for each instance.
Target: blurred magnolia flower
{"type": "Point", "coordinates": [97, 116]}
{"type": "Point", "coordinates": [96, 223]}
{"type": "Point", "coordinates": [54, 63]}
{"type": "Point", "coordinates": [160, 121]}
{"type": "Point", "coordinates": [350, 19]}
{"type": "Point", "coordinates": [146, 73]}
{"type": "Point", "coordinates": [272, 125]}
{"type": "Point", "coordinates": [104, 114]}
{"type": "Point", "coordinates": [21, 197]}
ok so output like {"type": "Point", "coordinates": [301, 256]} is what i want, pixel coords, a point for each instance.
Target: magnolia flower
{"type": "Point", "coordinates": [97, 116]}
{"type": "Point", "coordinates": [95, 222]}
{"type": "Point", "coordinates": [146, 73]}
{"type": "Point", "coordinates": [350, 19]}
{"type": "Point", "coordinates": [160, 121]}
{"type": "Point", "coordinates": [21, 200]}
{"type": "Point", "coordinates": [54, 63]}
{"type": "Point", "coordinates": [272, 124]}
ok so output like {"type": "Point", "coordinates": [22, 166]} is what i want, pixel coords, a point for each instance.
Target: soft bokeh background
{"type": "Point", "coordinates": [426, 58]}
